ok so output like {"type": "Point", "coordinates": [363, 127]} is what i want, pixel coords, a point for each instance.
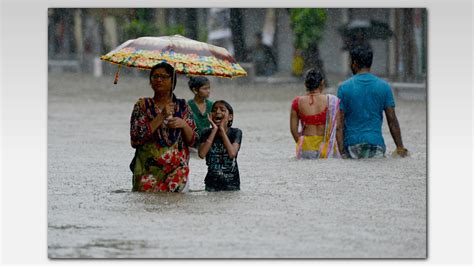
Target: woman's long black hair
{"type": "Point", "coordinates": [313, 79]}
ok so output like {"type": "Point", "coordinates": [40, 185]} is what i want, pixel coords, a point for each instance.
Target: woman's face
{"type": "Point", "coordinates": [160, 80]}
{"type": "Point", "coordinates": [204, 91]}
{"type": "Point", "coordinates": [219, 112]}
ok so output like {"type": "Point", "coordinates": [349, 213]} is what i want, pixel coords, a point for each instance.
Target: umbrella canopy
{"type": "Point", "coordinates": [366, 29]}
{"type": "Point", "coordinates": [187, 56]}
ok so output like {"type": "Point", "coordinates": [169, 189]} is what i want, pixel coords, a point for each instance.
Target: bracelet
{"type": "Point", "coordinates": [207, 140]}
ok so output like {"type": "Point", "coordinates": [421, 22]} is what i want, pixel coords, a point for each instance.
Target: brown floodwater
{"type": "Point", "coordinates": [286, 208]}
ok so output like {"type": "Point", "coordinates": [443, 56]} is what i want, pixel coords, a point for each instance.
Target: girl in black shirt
{"type": "Point", "coordinates": [220, 145]}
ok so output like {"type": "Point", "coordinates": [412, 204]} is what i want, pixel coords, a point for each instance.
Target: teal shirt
{"type": "Point", "coordinates": [364, 97]}
{"type": "Point", "coordinates": [199, 118]}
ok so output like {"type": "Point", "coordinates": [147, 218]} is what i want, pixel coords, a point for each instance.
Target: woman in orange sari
{"type": "Point", "coordinates": [315, 115]}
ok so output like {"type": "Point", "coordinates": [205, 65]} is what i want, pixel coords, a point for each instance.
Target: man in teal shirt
{"type": "Point", "coordinates": [364, 97]}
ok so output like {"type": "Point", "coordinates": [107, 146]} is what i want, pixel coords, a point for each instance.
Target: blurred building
{"type": "Point", "coordinates": [399, 58]}
{"type": "Point", "coordinates": [77, 37]}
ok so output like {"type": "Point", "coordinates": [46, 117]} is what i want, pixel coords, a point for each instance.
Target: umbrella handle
{"type": "Point", "coordinates": [117, 74]}
{"type": "Point", "coordinates": [172, 84]}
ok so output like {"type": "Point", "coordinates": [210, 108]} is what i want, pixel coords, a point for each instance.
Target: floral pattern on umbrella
{"type": "Point", "coordinates": [186, 55]}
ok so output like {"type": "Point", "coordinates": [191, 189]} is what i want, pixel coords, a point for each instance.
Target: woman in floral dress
{"type": "Point", "coordinates": [161, 130]}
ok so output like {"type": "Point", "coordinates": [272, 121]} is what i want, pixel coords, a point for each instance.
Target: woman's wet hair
{"type": "Point", "coordinates": [228, 107]}
{"type": "Point", "coordinates": [168, 68]}
{"type": "Point", "coordinates": [362, 55]}
{"type": "Point", "coordinates": [196, 82]}
{"type": "Point", "coordinates": [313, 79]}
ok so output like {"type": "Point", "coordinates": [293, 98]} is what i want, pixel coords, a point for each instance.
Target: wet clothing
{"type": "Point", "coordinates": [316, 119]}
{"type": "Point", "coordinates": [222, 171]}
{"type": "Point", "coordinates": [362, 151]}
{"type": "Point", "coordinates": [200, 118]}
{"type": "Point", "coordinates": [161, 161]}
{"type": "Point", "coordinates": [318, 147]}
{"type": "Point", "coordinates": [364, 97]}
{"type": "Point", "coordinates": [308, 147]}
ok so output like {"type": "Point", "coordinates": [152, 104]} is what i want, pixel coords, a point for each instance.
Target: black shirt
{"type": "Point", "coordinates": [222, 171]}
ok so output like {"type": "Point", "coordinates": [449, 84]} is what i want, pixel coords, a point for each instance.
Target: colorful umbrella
{"type": "Point", "coordinates": [187, 56]}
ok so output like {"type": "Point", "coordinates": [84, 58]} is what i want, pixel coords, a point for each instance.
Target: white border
{"type": "Point", "coordinates": [24, 122]}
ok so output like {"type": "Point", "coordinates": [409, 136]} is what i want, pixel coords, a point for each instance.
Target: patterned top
{"type": "Point", "coordinates": [222, 171]}
{"type": "Point", "coordinates": [145, 110]}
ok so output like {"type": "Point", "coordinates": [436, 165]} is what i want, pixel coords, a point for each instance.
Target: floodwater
{"type": "Point", "coordinates": [286, 208]}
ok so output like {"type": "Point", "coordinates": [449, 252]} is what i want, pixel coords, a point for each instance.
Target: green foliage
{"type": "Point", "coordinates": [307, 25]}
{"type": "Point", "coordinates": [139, 28]}
{"type": "Point", "coordinates": [202, 34]}
{"type": "Point", "coordinates": [176, 29]}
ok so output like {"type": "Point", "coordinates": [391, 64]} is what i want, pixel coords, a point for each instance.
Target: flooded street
{"type": "Point", "coordinates": [286, 208]}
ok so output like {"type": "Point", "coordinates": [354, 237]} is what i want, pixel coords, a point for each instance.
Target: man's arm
{"type": "Point", "coordinates": [395, 130]}
{"type": "Point", "coordinates": [340, 133]}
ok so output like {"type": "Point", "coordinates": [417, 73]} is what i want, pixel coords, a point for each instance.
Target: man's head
{"type": "Point", "coordinates": [361, 57]}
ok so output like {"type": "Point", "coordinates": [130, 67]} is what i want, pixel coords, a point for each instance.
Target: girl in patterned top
{"type": "Point", "coordinates": [220, 146]}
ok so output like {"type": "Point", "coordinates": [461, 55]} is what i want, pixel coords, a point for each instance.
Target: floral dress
{"type": "Point", "coordinates": [161, 161]}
